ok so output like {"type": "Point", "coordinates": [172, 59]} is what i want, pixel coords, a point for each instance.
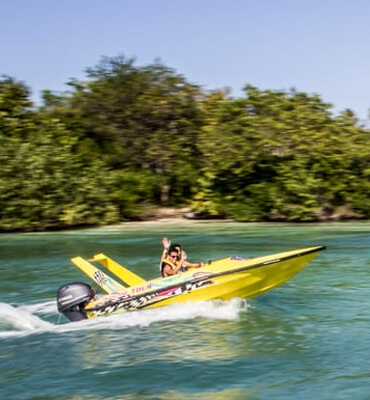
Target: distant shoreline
{"type": "Point", "coordinates": [172, 216]}
{"type": "Point", "coordinates": [185, 214]}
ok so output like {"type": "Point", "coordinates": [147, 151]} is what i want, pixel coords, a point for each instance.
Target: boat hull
{"type": "Point", "coordinates": [221, 279]}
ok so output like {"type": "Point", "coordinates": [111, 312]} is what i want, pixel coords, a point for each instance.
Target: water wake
{"type": "Point", "coordinates": [15, 320]}
{"type": "Point", "coordinates": [22, 320]}
{"type": "Point", "coordinates": [48, 307]}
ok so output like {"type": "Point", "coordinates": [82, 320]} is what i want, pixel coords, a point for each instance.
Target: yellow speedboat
{"type": "Point", "coordinates": [220, 279]}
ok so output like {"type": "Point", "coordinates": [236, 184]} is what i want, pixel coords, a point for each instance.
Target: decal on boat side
{"type": "Point", "coordinates": [201, 274]}
{"type": "Point", "coordinates": [134, 303]}
{"type": "Point", "coordinates": [140, 289]}
{"type": "Point", "coordinates": [100, 278]}
{"type": "Point", "coordinates": [103, 280]}
{"type": "Point", "coordinates": [169, 279]}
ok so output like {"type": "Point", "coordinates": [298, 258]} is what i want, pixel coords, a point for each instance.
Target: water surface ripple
{"type": "Point", "coordinates": [306, 339]}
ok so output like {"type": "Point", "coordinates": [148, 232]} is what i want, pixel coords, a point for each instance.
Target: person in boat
{"type": "Point", "coordinates": [174, 259]}
{"type": "Point", "coordinates": [171, 264]}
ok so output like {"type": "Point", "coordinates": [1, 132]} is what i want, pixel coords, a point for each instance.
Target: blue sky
{"type": "Point", "coordinates": [315, 46]}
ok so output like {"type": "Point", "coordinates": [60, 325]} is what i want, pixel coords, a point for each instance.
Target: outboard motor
{"type": "Point", "coordinates": [71, 299]}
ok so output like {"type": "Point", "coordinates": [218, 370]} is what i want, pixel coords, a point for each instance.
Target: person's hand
{"type": "Point", "coordinates": [166, 243]}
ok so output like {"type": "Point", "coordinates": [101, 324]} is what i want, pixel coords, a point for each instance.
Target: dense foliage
{"type": "Point", "coordinates": [129, 139]}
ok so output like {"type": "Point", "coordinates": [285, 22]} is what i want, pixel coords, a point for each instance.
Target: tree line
{"type": "Point", "coordinates": [129, 139]}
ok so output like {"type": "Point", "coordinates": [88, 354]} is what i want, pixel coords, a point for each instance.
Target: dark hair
{"type": "Point", "coordinates": [173, 247]}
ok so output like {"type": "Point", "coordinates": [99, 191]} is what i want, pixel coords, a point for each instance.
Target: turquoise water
{"type": "Point", "coordinates": [306, 339]}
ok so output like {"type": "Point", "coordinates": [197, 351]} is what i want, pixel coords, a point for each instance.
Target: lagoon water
{"type": "Point", "coordinates": [306, 339]}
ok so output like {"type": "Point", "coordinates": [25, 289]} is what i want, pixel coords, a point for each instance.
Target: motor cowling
{"type": "Point", "coordinates": [72, 298]}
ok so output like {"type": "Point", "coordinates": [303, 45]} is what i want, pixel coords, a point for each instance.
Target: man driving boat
{"type": "Point", "coordinates": [174, 259]}
{"type": "Point", "coordinates": [171, 264]}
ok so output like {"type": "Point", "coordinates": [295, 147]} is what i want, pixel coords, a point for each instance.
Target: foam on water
{"type": "Point", "coordinates": [49, 307]}
{"type": "Point", "coordinates": [15, 320]}
{"type": "Point", "coordinates": [22, 320]}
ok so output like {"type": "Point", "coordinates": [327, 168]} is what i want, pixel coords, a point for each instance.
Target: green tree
{"type": "Point", "coordinates": [43, 183]}
{"type": "Point", "coordinates": [143, 118]}
{"type": "Point", "coordinates": [278, 155]}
